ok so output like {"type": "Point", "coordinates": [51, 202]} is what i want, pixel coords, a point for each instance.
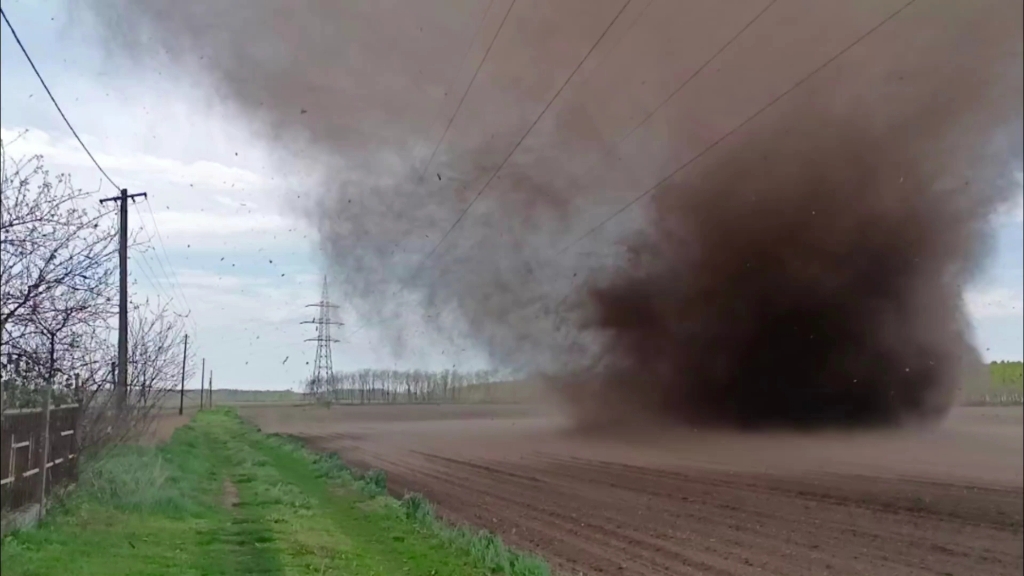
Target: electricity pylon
{"type": "Point", "coordinates": [321, 383]}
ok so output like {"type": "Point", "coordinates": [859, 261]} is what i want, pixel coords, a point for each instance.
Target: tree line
{"type": "Point", "coordinates": [372, 385]}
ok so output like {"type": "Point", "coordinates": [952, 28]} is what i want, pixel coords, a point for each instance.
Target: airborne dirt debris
{"type": "Point", "coordinates": [807, 212]}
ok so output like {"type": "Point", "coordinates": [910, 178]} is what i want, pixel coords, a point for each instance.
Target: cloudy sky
{"type": "Point", "coordinates": [227, 242]}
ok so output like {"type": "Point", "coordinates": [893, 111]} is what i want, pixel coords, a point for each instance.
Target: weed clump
{"type": "Point", "coordinates": [374, 483]}
{"type": "Point", "coordinates": [330, 466]}
{"type": "Point", "coordinates": [417, 508]}
{"type": "Point", "coordinates": [131, 478]}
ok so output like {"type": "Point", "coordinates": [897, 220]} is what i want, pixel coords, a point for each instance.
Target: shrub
{"type": "Point", "coordinates": [417, 508]}
{"type": "Point", "coordinates": [374, 482]}
{"type": "Point", "coordinates": [331, 466]}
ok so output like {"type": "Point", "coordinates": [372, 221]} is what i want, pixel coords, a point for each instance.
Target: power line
{"type": "Point", "coordinates": [639, 124]}
{"type": "Point", "coordinates": [652, 189]}
{"type": "Point", "coordinates": [172, 277]}
{"type": "Point", "coordinates": [451, 85]}
{"type": "Point", "coordinates": [583, 61]}
{"type": "Point", "coordinates": [634, 129]}
{"type": "Point", "coordinates": [471, 81]}
{"type": "Point", "coordinates": [448, 89]}
{"type": "Point", "coordinates": [140, 250]}
{"type": "Point", "coordinates": [451, 120]}
{"type": "Point", "coordinates": [735, 128]}
{"type": "Point", "coordinates": [528, 130]}
{"type": "Point", "coordinates": [147, 271]}
{"type": "Point", "coordinates": [686, 82]}
{"type": "Point", "coordinates": [516, 147]}
{"type": "Point", "coordinates": [54, 100]}
{"type": "Point", "coordinates": [95, 162]}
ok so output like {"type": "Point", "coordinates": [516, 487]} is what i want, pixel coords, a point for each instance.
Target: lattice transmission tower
{"type": "Point", "coordinates": [321, 383]}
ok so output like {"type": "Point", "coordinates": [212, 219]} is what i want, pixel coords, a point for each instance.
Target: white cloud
{"type": "Point", "coordinates": [192, 202]}
{"type": "Point", "coordinates": [236, 299]}
{"type": "Point", "coordinates": [134, 167]}
{"type": "Point", "coordinates": [196, 225]}
{"type": "Point", "coordinates": [994, 302]}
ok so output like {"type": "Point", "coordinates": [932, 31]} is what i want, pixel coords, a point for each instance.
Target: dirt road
{"type": "Point", "coordinates": [942, 501]}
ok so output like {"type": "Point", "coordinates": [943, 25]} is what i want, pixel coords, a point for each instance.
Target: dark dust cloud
{"type": "Point", "coordinates": [807, 271]}
{"type": "Point", "coordinates": [812, 277]}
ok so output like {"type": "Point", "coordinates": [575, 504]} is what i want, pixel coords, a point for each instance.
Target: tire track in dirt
{"type": "Point", "coordinates": [912, 496]}
{"type": "Point", "coordinates": [533, 526]}
{"type": "Point", "coordinates": [913, 529]}
{"type": "Point", "coordinates": [729, 519]}
{"type": "Point", "coordinates": [602, 516]}
{"type": "Point", "coordinates": [652, 539]}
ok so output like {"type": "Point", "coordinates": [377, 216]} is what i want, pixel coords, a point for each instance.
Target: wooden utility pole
{"type": "Point", "coordinates": [202, 384]}
{"type": "Point", "coordinates": [121, 391]}
{"type": "Point", "coordinates": [181, 397]}
{"type": "Point", "coordinates": [209, 386]}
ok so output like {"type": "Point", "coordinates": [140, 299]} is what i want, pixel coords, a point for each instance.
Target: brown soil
{"type": "Point", "coordinates": [230, 498]}
{"type": "Point", "coordinates": [163, 427]}
{"type": "Point", "coordinates": [943, 501]}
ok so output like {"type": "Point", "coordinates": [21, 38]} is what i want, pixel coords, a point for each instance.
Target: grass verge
{"type": "Point", "coordinates": [222, 498]}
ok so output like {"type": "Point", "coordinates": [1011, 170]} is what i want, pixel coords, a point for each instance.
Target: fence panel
{"type": "Point", "coordinates": [21, 453]}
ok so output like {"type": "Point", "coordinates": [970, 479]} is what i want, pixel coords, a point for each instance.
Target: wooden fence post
{"type": "Point", "coordinates": [202, 385]}
{"type": "Point", "coordinates": [44, 448]}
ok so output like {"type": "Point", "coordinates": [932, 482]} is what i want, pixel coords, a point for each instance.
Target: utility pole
{"type": "Point", "coordinates": [121, 391]}
{"type": "Point", "coordinates": [202, 380]}
{"type": "Point", "coordinates": [210, 388]}
{"type": "Point", "coordinates": [323, 367]}
{"type": "Point", "coordinates": [181, 397]}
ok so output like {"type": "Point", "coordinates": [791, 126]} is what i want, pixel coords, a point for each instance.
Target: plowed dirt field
{"type": "Point", "coordinates": [940, 501]}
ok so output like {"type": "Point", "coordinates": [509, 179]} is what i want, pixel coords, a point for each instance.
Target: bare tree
{"type": "Point", "coordinates": [156, 343]}
{"type": "Point", "coordinates": [58, 267]}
